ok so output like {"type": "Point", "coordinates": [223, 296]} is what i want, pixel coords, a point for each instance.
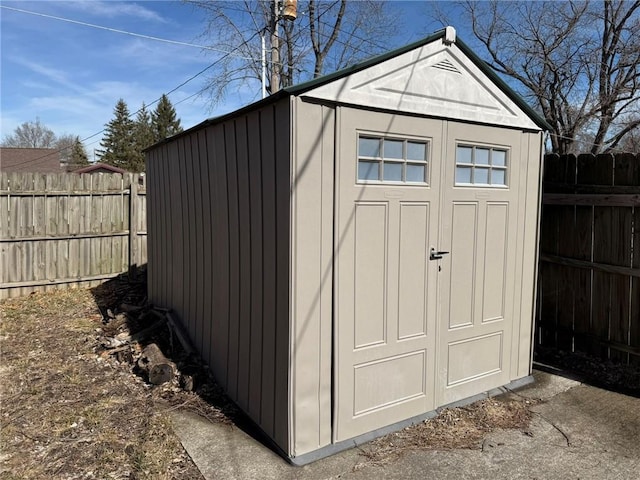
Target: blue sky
{"type": "Point", "coordinates": [70, 76]}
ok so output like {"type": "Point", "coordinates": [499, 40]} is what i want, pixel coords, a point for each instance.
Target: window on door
{"type": "Point", "coordinates": [480, 165]}
{"type": "Point", "coordinates": [392, 160]}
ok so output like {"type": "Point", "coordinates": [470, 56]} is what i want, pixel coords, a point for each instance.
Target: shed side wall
{"type": "Point", "coordinates": [219, 243]}
{"type": "Point", "coordinates": [528, 246]}
{"type": "Point", "coordinates": [312, 274]}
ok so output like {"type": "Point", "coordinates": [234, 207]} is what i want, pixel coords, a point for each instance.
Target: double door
{"type": "Point", "coordinates": [416, 328]}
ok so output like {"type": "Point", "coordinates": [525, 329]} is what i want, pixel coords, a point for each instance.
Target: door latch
{"type": "Point", "coordinates": [436, 255]}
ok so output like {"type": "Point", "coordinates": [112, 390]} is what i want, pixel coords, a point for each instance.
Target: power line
{"type": "Point", "coordinates": [124, 32]}
{"type": "Point", "coordinates": [226, 54]}
{"type": "Point", "coordinates": [131, 115]}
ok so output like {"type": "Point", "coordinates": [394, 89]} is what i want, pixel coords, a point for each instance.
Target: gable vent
{"type": "Point", "coordinates": [446, 65]}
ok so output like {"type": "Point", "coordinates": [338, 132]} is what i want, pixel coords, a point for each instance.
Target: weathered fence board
{"type": "Point", "coordinates": [61, 230]}
{"type": "Point", "coordinates": [589, 273]}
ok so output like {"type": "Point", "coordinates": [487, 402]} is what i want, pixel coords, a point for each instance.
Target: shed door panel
{"type": "Point", "coordinates": [476, 284]}
{"type": "Point", "coordinates": [385, 289]}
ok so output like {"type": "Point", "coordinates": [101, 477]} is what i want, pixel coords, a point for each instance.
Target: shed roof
{"type": "Point", "coordinates": [308, 86]}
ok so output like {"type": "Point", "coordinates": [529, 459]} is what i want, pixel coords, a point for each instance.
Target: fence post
{"type": "Point", "coordinates": [133, 226]}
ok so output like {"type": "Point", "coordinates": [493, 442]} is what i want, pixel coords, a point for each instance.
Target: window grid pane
{"type": "Point", "coordinates": [484, 166]}
{"type": "Point", "coordinates": [393, 149]}
{"type": "Point", "coordinates": [368, 170]}
{"type": "Point", "coordinates": [392, 160]}
{"type": "Point", "coordinates": [416, 173]}
{"type": "Point", "coordinates": [392, 172]}
{"type": "Point", "coordinates": [369, 147]}
{"type": "Point", "coordinates": [417, 151]}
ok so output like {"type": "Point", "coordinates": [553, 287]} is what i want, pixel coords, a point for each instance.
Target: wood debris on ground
{"type": "Point", "coordinates": [75, 402]}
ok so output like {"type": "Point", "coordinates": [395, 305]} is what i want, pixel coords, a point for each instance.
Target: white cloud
{"type": "Point", "coordinates": [57, 76]}
{"type": "Point", "coordinates": [153, 54]}
{"type": "Point", "coordinates": [112, 9]}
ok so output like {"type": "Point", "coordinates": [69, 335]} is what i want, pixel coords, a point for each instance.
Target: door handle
{"type": "Point", "coordinates": [436, 255]}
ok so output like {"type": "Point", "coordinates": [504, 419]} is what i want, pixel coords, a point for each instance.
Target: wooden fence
{"type": "Point", "coordinates": [62, 230]}
{"type": "Point", "coordinates": [589, 275]}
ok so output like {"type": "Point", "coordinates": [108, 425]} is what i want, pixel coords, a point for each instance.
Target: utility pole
{"type": "Point", "coordinates": [264, 65]}
{"type": "Point", "coordinates": [275, 48]}
{"type": "Point", "coordinates": [286, 9]}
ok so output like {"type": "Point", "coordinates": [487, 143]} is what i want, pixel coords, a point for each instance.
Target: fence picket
{"type": "Point", "coordinates": [62, 230]}
{"type": "Point", "coordinates": [589, 287]}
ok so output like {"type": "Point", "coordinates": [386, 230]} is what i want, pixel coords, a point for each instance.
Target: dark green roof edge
{"type": "Point", "coordinates": [481, 64]}
{"type": "Point", "coordinates": [493, 76]}
{"type": "Point", "coordinates": [345, 72]}
{"type": "Point", "coordinates": [323, 80]}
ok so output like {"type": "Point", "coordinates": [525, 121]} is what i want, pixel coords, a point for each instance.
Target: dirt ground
{"type": "Point", "coordinates": [73, 408]}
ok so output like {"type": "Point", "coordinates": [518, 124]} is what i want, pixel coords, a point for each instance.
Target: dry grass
{"type": "Point", "coordinates": [69, 412]}
{"type": "Point", "coordinates": [461, 427]}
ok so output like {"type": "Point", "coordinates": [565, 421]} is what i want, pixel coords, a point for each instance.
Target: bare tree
{"type": "Point", "coordinates": [64, 144]}
{"type": "Point", "coordinates": [31, 135]}
{"type": "Point", "coordinates": [326, 36]}
{"type": "Point", "coordinates": [577, 62]}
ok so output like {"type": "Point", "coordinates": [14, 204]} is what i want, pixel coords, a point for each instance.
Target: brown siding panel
{"type": "Point", "coordinates": [222, 225]}
{"type": "Point", "coordinates": [244, 326]}
{"type": "Point", "coordinates": [234, 259]}
{"type": "Point", "coordinates": [257, 286]}
{"type": "Point", "coordinates": [221, 232]}
{"type": "Point", "coordinates": [196, 208]}
{"type": "Point", "coordinates": [206, 247]}
{"type": "Point", "coordinates": [269, 271]}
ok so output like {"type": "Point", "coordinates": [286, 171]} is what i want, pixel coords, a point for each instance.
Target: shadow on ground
{"type": "Point", "coordinates": [602, 373]}
{"type": "Point", "coordinates": [126, 311]}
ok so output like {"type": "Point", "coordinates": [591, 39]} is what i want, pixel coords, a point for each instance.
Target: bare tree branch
{"type": "Point", "coordinates": [327, 35]}
{"type": "Point", "coordinates": [577, 61]}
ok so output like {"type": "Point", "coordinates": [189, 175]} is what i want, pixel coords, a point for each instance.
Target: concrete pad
{"type": "Point", "coordinates": [579, 431]}
{"type": "Point", "coordinates": [546, 386]}
{"type": "Point", "coordinates": [225, 452]}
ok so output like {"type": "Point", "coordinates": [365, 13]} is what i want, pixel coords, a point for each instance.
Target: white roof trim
{"type": "Point", "coordinates": [436, 80]}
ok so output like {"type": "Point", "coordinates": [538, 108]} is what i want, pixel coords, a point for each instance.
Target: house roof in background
{"type": "Point", "coordinates": [39, 160]}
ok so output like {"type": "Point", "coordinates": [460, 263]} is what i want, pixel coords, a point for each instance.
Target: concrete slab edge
{"type": "Point", "coordinates": [334, 448]}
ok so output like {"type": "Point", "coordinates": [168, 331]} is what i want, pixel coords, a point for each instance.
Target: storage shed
{"type": "Point", "coordinates": [354, 252]}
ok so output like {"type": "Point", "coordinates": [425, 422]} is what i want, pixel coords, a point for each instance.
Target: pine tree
{"type": "Point", "coordinates": [78, 157]}
{"type": "Point", "coordinates": [144, 128]}
{"type": "Point", "coordinates": [164, 120]}
{"type": "Point", "coordinates": [118, 143]}
{"type": "Point", "coordinates": [143, 134]}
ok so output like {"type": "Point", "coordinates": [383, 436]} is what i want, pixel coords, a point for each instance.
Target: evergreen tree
{"type": "Point", "coordinates": [118, 144]}
{"type": "Point", "coordinates": [78, 157]}
{"type": "Point", "coordinates": [164, 120]}
{"type": "Point", "coordinates": [144, 128]}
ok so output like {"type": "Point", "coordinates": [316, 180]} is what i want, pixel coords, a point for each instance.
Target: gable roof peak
{"type": "Point", "coordinates": [449, 35]}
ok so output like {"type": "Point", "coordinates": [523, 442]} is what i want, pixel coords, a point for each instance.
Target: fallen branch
{"type": "Point", "coordinates": [142, 334]}
{"type": "Point", "coordinates": [159, 369]}
{"type": "Point", "coordinates": [180, 333]}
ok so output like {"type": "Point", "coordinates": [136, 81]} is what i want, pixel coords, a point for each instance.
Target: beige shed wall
{"type": "Point", "coordinates": [219, 253]}
{"type": "Point", "coordinates": [241, 246]}
{"type": "Point", "coordinates": [312, 250]}
{"type": "Point", "coordinates": [312, 274]}
{"type": "Point", "coordinates": [527, 251]}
